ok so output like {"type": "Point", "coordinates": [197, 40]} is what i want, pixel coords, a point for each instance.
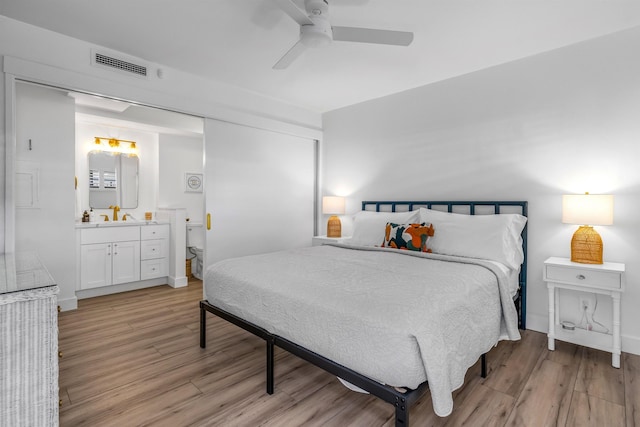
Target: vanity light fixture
{"type": "Point", "coordinates": [587, 210]}
{"type": "Point", "coordinates": [113, 145]}
{"type": "Point", "coordinates": [333, 206]}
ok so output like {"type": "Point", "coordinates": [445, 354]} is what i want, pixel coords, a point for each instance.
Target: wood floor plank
{"type": "Point", "coordinates": [484, 407]}
{"type": "Point", "coordinates": [517, 364]}
{"type": "Point", "coordinates": [97, 367]}
{"type": "Point", "coordinates": [115, 378]}
{"type": "Point", "coordinates": [317, 411]}
{"type": "Point", "coordinates": [155, 407]}
{"type": "Point", "coordinates": [546, 396]}
{"type": "Point", "coordinates": [591, 411]}
{"type": "Point", "coordinates": [134, 359]}
{"type": "Point", "coordinates": [598, 378]}
{"type": "Point", "coordinates": [631, 366]}
{"type": "Point", "coordinates": [101, 405]}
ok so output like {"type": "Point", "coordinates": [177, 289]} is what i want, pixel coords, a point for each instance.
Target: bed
{"type": "Point", "coordinates": [386, 321]}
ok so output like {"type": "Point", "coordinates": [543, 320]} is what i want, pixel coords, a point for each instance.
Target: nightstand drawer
{"type": "Point", "coordinates": [584, 277]}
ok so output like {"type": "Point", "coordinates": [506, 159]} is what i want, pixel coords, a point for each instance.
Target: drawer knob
{"type": "Point", "coordinates": [580, 277]}
{"type": "Point", "coordinates": [60, 354]}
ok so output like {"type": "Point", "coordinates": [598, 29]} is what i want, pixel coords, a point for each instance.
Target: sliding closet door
{"type": "Point", "coordinates": [44, 181]}
{"type": "Point", "coordinates": [260, 188]}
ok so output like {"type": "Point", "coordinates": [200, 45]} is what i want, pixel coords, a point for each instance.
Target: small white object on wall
{"type": "Point", "coordinates": [27, 184]}
{"type": "Point", "coordinates": [193, 182]}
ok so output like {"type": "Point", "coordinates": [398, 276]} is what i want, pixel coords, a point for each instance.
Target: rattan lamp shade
{"type": "Point", "coordinates": [587, 210]}
{"type": "Point", "coordinates": [333, 206]}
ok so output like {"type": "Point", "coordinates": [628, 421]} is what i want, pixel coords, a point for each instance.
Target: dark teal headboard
{"type": "Point", "coordinates": [470, 208]}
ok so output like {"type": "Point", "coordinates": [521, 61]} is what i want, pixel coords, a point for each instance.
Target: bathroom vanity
{"type": "Point", "coordinates": [121, 256]}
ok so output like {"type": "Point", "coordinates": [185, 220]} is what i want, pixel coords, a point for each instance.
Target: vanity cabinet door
{"type": "Point", "coordinates": [95, 261]}
{"type": "Point", "coordinates": [126, 262]}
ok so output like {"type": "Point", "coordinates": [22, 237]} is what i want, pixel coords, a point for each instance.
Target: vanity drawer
{"type": "Point", "coordinates": [152, 268]}
{"type": "Point", "coordinates": [151, 249]}
{"type": "Point", "coordinates": [160, 231]}
{"type": "Point", "coordinates": [109, 234]}
{"type": "Point", "coordinates": [584, 277]}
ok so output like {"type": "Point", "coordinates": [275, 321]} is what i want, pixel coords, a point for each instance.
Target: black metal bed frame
{"type": "Point", "coordinates": [402, 401]}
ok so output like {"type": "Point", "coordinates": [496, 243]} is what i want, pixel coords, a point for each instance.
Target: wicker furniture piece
{"type": "Point", "coordinates": [28, 343]}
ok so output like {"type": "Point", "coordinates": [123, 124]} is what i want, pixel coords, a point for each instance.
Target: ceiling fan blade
{"type": "Point", "coordinates": [368, 35]}
{"type": "Point", "coordinates": [290, 8]}
{"type": "Point", "coordinates": [290, 56]}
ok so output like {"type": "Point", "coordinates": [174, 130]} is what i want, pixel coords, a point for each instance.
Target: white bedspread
{"type": "Point", "coordinates": [398, 317]}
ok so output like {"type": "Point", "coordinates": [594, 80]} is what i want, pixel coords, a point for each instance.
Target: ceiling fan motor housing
{"type": "Point", "coordinates": [318, 34]}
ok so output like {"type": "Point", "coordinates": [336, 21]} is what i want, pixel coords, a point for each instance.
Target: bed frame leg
{"type": "Point", "coordinates": [270, 365]}
{"type": "Point", "coordinates": [203, 327]}
{"type": "Point", "coordinates": [402, 413]}
{"type": "Point", "coordinates": [483, 365]}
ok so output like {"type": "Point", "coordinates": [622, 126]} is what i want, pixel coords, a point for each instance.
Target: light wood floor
{"type": "Point", "coordinates": [133, 359]}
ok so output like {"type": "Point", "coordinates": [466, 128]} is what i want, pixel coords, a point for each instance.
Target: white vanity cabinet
{"type": "Point", "coordinates": [154, 251]}
{"type": "Point", "coordinates": [109, 256]}
{"type": "Point", "coordinates": [132, 255]}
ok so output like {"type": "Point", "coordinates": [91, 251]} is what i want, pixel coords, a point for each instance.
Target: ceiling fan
{"type": "Point", "coordinates": [316, 30]}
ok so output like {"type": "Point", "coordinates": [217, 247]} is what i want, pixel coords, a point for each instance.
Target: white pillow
{"type": "Point", "coordinates": [493, 237]}
{"type": "Point", "coordinates": [369, 226]}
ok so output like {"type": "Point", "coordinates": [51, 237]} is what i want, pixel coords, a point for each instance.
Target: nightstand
{"type": "Point", "coordinates": [604, 279]}
{"type": "Point", "coordinates": [322, 240]}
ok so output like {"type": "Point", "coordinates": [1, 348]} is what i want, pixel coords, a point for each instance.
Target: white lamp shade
{"type": "Point", "coordinates": [587, 209]}
{"type": "Point", "coordinates": [333, 205]}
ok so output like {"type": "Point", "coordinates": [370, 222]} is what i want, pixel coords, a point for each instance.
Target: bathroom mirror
{"type": "Point", "coordinates": [113, 180]}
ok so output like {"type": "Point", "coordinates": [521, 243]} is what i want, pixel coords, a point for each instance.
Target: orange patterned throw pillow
{"type": "Point", "coordinates": [413, 237]}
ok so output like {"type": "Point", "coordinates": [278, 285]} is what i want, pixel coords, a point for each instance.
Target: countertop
{"type": "Point", "coordinates": [98, 224]}
{"type": "Point", "coordinates": [22, 271]}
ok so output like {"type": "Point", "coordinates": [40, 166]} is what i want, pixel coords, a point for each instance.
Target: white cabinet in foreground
{"type": "Point", "coordinates": [109, 256]}
{"type": "Point", "coordinates": [154, 251]}
{"type": "Point", "coordinates": [114, 255]}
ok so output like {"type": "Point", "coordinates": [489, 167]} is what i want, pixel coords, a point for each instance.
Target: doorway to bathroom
{"type": "Point", "coordinates": [253, 190]}
{"type": "Point", "coordinates": [58, 136]}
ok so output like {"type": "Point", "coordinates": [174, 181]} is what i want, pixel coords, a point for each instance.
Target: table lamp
{"type": "Point", "coordinates": [333, 206]}
{"type": "Point", "coordinates": [587, 210]}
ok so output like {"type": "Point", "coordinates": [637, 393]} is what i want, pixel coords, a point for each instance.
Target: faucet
{"type": "Point", "coordinates": [115, 208]}
{"type": "Point", "coordinates": [106, 217]}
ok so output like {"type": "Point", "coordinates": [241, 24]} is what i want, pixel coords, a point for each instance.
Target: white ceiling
{"type": "Point", "coordinates": [238, 41]}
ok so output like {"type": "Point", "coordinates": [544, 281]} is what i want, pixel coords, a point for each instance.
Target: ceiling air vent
{"type": "Point", "coordinates": [113, 63]}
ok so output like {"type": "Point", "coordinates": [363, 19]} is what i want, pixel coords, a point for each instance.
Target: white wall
{"type": "Point", "coordinates": [147, 144]}
{"type": "Point", "coordinates": [39, 55]}
{"type": "Point", "coordinates": [46, 118]}
{"type": "Point", "coordinates": [178, 155]}
{"type": "Point", "coordinates": [556, 123]}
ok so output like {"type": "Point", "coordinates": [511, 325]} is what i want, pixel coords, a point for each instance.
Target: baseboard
{"type": "Point", "coordinates": [178, 282]}
{"type": "Point", "coordinates": [68, 304]}
{"type": "Point", "coordinates": [630, 344]}
{"type": "Point", "coordinates": [539, 323]}
{"type": "Point", "coordinates": [114, 289]}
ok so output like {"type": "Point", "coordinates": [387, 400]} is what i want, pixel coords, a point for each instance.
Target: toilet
{"type": "Point", "coordinates": [195, 246]}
